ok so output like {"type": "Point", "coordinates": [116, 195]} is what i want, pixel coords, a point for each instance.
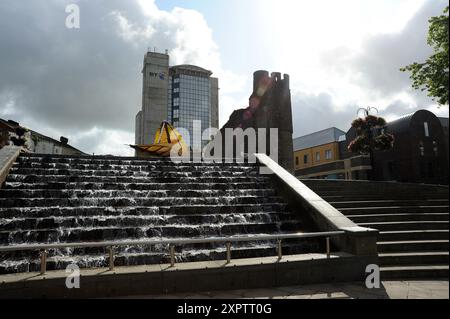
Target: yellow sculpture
{"type": "Point", "coordinates": [165, 139]}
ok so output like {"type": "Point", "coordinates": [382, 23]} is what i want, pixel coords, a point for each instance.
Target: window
{"type": "Point", "coordinates": [296, 160]}
{"type": "Point", "coordinates": [305, 159]}
{"type": "Point", "coordinates": [328, 154]}
{"type": "Point", "coordinates": [425, 126]}
{"type": "Point", "coordinates": [435, 148]}
{"type": "Point", "coordinates": [422, 149]}
{"type": "Point", "coordinates": [317, 156]}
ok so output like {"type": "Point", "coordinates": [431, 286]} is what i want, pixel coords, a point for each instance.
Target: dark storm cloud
{"type": "Point", "coordinates": [70, 81]}
{"type": "Point", "coordinates": [69, 78]}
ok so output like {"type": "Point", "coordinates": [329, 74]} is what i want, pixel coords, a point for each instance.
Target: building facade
{"type": "Point", "coordinates": [317, 148]}
{"type": "Point", "coordinates": [12, 133]}
{"type": "Point", "coordinates": [179, 94]}
{"type": "Point", "coordinates": [419, 154]}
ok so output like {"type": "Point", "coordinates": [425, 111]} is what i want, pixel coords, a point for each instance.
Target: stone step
{"type": "Point", "coordinates": [52, 235]}
{"type": "Point", "coordinates": [150, 256]}
{"type": "Point", "coordinates": [138, 186]}
{"type": "Point", "coordinates": [413, 246]}
{"type": "Point", "coordinates": [394, 210]}
{"type": "Point", "coordinates": [399, 217]}
{"type": "Point", "coordinates": [364, 191]}
{"type": "Point", "coordinates": [80, 193]}
{"type": "Point", "coordinates": [389, 196]}
{"type": "Point", "coordinates": [407, 235]}
{"type": "Point", "coordinates": [407, 225]}
{"type": "Point", "coordinates": [14, 224]}
{"type": "Point", "coordinates": [414, 271]}
{"type": "Point", "coordinates": [121, 173]}
{"type": "Point", "coordinates": [115, 160]}
{"type": "Point", "coordinates": [125, 201]}
{"type": "Point", "coordinates": [31, 179]}
{"type": "Point", "coordinates": [58, 211]}
{"type": "Point", "coordinates": [147, 167]}
{"type": "Point", "coordinates": [413, 258]}
{"type": "Point", "coordinates": [389, 203]}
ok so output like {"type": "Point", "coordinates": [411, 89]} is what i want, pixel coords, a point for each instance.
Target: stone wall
{"type": "Point", "coordinates": [269, 107]}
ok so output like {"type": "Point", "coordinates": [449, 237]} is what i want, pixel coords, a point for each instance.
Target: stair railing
{"type": "Point", "coordinates": [111, 245]}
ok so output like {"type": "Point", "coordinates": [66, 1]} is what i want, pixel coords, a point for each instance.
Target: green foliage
{"type": "Point", "coordinates": [365, 142]}
{"type": "Point", "coordinates": [432, 75]}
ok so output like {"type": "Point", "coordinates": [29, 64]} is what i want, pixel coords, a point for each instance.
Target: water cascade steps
{"type": "Point", "coordinates": [64, 199]}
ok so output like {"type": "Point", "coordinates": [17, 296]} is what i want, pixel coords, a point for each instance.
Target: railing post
{"type": "Point", "coordinates": [172, 255]}
{"type": "Point", "coordinates": [328, 247]}
{"type": "Point", "coordinates": [111, 258]}
{"type": "Point", "coordinates": [228, 252]}
{"type": "Point", "coordinates": [279, 249]}
{"type": "Point", "coordinates": [43, 261]}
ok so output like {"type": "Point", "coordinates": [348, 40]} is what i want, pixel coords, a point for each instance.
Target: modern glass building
{"type": "Point", "coordinates": [180, 95]}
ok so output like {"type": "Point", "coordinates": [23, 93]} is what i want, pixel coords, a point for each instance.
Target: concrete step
{"type": "Point", "coordinates": [112, 220]}
{"type": "Point", "coordinates": [135, 210]}
{"type": "Point", "coordinates": [413, 246]}
{"type": "Point", "coordinates": [413, 258]}
{"type": "Point", "coordinates": [83, 193]}
{"type": "Point", "coordinates": [33, 179]}
{"type": "Point", "coordinates": [137, 186]}
{"type": "Point", "coordinates": [394, 210]}
{"type": "Point", "coordinates": [389, 203]}
{"type": "Point", "coordinates": [415, 271]}
{"type": "Point", "coordinates": [407, 225]}
{"type": "Point", "coordinates": [144, 167]}
{"type": "Point", "coordinates": [126, 201]}
{"type": "Point", "coordinates": [408, 235]}
{"type": "Point", "coordinates": [97, 234]}
{"type": "Point", "coordinates": [341, 197]}
{"type": "Point", "coordinates": [111, 160]}
{"type": "Point", "coordinates": [399, 217]}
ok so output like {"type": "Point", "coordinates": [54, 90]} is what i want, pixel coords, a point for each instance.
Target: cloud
{"type": "Point", "coordinates": [375, 66]}
{"type": "Point", "coordinates": [368, 76]}
{"type": "Point", "coordinates": [78, 81]}
{"type": "Point", "coordinates": [315, 112]}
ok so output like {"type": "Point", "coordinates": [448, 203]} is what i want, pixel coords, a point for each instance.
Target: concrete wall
{"type": "Point", "coordinates": [214, 102]}
{"type": "Point", "coordinates": [189, 277]}
{"type": "Point", "coordinates": [154, 95]}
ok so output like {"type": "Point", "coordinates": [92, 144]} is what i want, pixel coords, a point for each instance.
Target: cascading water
{"type": "Point", "coordinates": [61, 199]}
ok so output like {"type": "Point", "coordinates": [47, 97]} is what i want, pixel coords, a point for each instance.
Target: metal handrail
{"type": "Point", "coordinates": [43, 248]}
{"type": "Point", "coordinates": [177, 242]}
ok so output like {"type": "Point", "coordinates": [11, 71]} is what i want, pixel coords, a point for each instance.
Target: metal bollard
{"type": "Point", "coordinates": [43, 261]}
{"type": "Point", "coordinates": [328, 247]}
{"type": "Point", "coordinates": [279, 249]}
{"type": "Point", "coordinates": [172, 255]}
{"type": "Point", "coordinates": [111, 258]}
{"type": "Point", "coordinates": [228, 252]}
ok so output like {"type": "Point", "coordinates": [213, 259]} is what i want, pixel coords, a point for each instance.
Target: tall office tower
{"type": "Point", "coordinates": [178, 94]}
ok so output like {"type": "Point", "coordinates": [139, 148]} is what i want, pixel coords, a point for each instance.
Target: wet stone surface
{"type": "Point", "coordinates": [68, 199]}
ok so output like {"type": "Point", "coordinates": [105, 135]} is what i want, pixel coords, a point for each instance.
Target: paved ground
{"type": "Point", "coordinates": [437, 289]}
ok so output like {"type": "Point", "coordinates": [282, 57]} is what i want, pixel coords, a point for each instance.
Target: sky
{"type": "Point", "coordinates": [86, 83]}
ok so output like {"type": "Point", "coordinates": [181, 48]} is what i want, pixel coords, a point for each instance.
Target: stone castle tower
{"type": "Point", "coordinates": [269, 107]}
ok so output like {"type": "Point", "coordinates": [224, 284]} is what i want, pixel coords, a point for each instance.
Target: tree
{"type": "Point", "coordinates": [432, 75]}
{"type": "Point", "coordinates": [370, 135]}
